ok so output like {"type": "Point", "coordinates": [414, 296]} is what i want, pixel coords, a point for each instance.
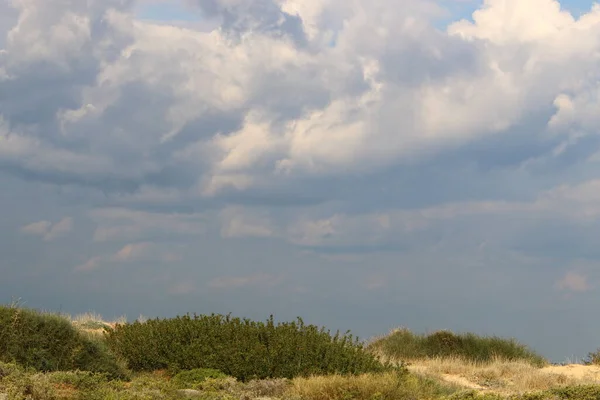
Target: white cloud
{"type": "Point", "coordinates": [90, 265]}
{"type": "Point", "coordinates": [510, 21]}
{"type": "Point", "coordinates": [283, 109]}
{"type": "Point", "coordinates": [59, 229]}
{"type": "Point", "coordinates": [574, 282]}
{"type": "Point", "coordinates": [129, 253]}
{"type": "Point", "coordinates": [48, 230]}
{"type": "Point", "coordinates": [132, 251]}
{"type": "Point", "coordinates": [37, 228]}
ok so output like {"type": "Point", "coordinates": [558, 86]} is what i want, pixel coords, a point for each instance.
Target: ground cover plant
{"type": "Point", "coordinates": [402, 344]}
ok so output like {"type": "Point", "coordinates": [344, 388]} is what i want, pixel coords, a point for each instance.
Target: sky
{"type": "Point", "coordinates": [363, 165]}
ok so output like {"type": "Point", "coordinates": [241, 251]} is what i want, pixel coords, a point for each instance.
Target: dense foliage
{"type": "Point", "coordinates": [240, 348]}
{"type": "Point", "coordinates": [405, 345]}
{"type": "Point", "coordinates": [48, 342]}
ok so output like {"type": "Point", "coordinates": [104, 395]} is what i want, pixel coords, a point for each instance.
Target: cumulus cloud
{"type": "Point", "coordinates": [290, 94]}
{"type": "Point", "coordinates": [141, 94]}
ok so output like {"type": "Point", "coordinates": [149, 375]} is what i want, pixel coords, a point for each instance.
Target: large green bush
{"type": "Point", "coordinates": [49, 342]}
{"type": "Point", "coordinates": [240, 348]}
{"type": "Point", "coordinates": [405, 345]}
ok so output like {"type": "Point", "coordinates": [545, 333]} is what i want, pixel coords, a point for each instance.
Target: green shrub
{"type": "Point", "coordinates": [593, 358]}
{"type": "Point", "coordinates": [47, 342]}
{"type": "Point", "coordinates": [405, 345]}
{"type": "Point", "coordinates": [240, 348]}
{"type": "Point", "coordinates": [583, 392]}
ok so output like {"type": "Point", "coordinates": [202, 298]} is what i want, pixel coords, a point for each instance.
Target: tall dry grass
{"type": "Point", "coordinates": [389, 385]}
{"type": "Point", "coordinates": [498, 375]}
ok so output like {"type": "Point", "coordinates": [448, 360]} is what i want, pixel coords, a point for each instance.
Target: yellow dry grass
{"type": "Point", "coordinates": [368, 387]}
{"type": "Point", "coordinates": [505, 377]}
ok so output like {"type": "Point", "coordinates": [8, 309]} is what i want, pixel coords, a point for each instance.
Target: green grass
{"type": "Point", "coordinates": [405, 345]}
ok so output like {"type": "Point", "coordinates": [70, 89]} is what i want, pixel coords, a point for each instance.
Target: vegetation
{"type": "Point", "coordinates": [48, 357]}
{"type": "Point", "coordinates": [197, 376]}
{"type": "Point", "coordinates": [398, 385]}
{"type": "Point", "coordinates": [47, 342]}
{"type": "Point", "coordinates": [19, 384]}
{"type": "Point", "coordinates": [403, 344]}
{"type": "Point", "coordinates": [593, 358]}
{"type": "Point", "coordinates": [240, 348]}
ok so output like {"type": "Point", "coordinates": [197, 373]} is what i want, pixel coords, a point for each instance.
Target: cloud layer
{"type": "Point", "coordinates": [315, 152]}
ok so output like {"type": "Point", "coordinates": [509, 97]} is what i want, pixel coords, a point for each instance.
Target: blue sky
{"type": "Point", "coordinates": [167, 11]}
{"type": "Point", "coordinates": [299, 162]}
{"type": "Point", "coordinates": [176, 10]}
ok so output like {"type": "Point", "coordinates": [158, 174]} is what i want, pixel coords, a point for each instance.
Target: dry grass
{"type": "Point", "coordinates": [93, 323]}
{"type": "Point", "coordinates": [368, 387]}
{"type": "Point", "coordinates": [503, 377]}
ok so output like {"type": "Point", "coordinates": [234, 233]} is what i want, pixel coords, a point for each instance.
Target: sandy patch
{"type": "Point", "coordinates": [506, 377]}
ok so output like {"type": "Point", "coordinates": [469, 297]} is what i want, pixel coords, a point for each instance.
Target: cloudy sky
{"type": "Point", "coordinates": [362, 164]}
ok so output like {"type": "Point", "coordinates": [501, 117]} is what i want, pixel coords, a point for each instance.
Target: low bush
{"type": "Point", "coordinates": [47, 342]}
{"type": "Point", "coordinates": [240, 348]}
{"type": "Point", "coordinates": [405, 345]}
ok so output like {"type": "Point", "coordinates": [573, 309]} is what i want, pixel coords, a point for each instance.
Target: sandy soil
{"type": "Point", "coordinates": [506, 377]}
